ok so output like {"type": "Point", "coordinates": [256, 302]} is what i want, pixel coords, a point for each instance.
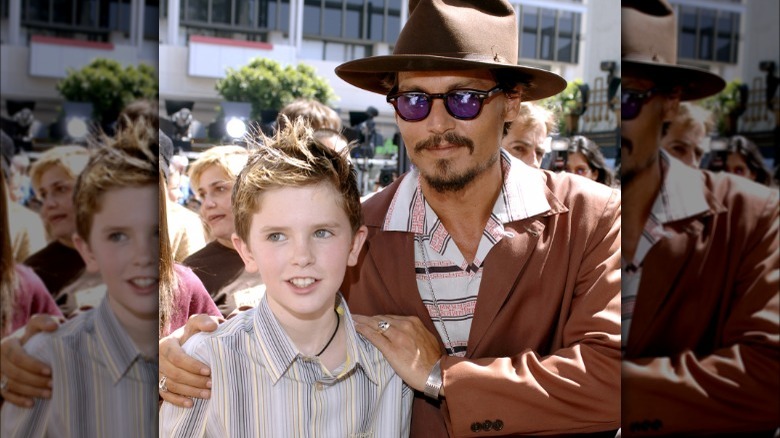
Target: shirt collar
{"type": "Point", "coordinates": [118, 349]}
{"type": "Point", "coordinates": [523, 195]}
{"type": "Point", "coordinates": [682, 193]}
{"type": "Point", "coordinates": [280, 353]}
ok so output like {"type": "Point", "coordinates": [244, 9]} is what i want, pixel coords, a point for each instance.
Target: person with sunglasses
{"type": "Point", "coordinates": [700, 261]}
{"type": "Point", "coordinates": [491, 287]}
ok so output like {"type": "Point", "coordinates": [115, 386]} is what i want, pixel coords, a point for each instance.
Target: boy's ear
{"type": "Point", "coordinates": [246, 255]}
{"type": "Point", "coordinates": [86, 253]}
{"type": "Point", "coordinates": [357, 244]}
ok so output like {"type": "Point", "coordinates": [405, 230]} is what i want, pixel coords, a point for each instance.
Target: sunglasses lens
{"type": "Point", "coordinates": [630, 105]}
{"type": "Point", "coordinates": [464, 104]}
{"type": "Point", "coordinates": [412, 106]}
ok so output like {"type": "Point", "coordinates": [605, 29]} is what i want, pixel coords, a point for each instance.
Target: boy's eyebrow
{"type": "Point", "coordinates": [316, 226]}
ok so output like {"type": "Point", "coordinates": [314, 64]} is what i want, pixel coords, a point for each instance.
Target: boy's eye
{"type": "Point", "coordinates": [322, 234]}
{"type": "Point", "coordinates": [117, 237]}
{"type": "Point", "coordinates": [276, 237]}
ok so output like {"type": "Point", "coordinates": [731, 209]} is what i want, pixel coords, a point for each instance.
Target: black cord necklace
{"type": "Point", "coordinates": [338, 320]}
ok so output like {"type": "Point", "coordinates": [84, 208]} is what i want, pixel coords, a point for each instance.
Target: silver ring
{"type": "Point", "coordinates": [3, 382]}
{"type": "Point", "coordinates": [383, 326]}
{"type": "Point", "coordinates": [163, 386]}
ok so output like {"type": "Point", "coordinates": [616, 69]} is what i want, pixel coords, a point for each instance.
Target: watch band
{"type": "Point", "coordinates": [434, 382]}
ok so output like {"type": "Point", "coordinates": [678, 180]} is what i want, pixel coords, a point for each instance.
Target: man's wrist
{"type": "Point", "coordinates": [434, 383]}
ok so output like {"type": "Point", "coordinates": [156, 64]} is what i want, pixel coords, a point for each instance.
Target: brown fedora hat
{"type": "Point", "coordinates": [454, 35]}
{"type": "Point", "coordinates": [649, 50]}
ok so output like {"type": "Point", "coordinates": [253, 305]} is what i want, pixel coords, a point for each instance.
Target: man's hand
{"type": "Point", "coordinates": [185, 376]}
{"type": "Point", "coordinates": [27, 376]}
{"type": "Point", "coordinates": [410, 348]}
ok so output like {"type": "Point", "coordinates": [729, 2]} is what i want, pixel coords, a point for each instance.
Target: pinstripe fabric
{"type": "Point", "coordinates": [672, 203]}
{"type": "Point", "coordinates": [103, 387]}
{"type": "Point", "coordinates": [262, 387]}
{"type": "Point", "coordinates": [455, 280]}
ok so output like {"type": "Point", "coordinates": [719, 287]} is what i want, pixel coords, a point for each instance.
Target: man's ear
{"type": "Point", "coordinates": [357, 244]}
{"type": "Point", "coordinates": [246, 255]}
{"type": "Point", "coordinates": [672, 105]}
{"type": "Point", "coordinates": [512, 108]}
{"type": "Point", "coordinates": [86, 253]}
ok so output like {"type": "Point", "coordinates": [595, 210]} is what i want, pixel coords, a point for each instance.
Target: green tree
{"type": "Point", "coordinates": [269, 86]}
{"type": "Point", "coordinates": [109, 86]}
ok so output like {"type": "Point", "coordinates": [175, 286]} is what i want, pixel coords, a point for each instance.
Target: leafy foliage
{"type": "Point", "coordinates": [269, 86]}
{"type": "Point", "coordinates": [109, 86]}
{"type": "Point", "coordinates": [729, 103]}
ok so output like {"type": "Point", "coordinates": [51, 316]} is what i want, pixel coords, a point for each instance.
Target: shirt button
{"type": "Point", "coordinates": [318, 386]}
{"type": "Point", "coordinates": [476, 426]}
{"type": "Point", "coordinates": [498, 425]}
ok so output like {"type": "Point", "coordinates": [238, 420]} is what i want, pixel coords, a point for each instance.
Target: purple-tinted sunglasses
{"type": "Point", "coordinates": [466, 104]}
{"type": "Point", "coordinates": [632, 101]}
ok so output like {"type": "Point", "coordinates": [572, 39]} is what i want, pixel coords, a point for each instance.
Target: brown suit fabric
{"type": "Point", "coordinates": [544, 348]}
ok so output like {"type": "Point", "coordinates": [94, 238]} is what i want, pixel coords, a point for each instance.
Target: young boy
{"type": "Point", "coordinates": [294, 366]}
{"type": "Point", "coordinates": [104, 361]}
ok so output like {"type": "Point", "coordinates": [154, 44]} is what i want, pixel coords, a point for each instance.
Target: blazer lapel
{"type": "Point", "coordinates": [501, 272]}
{"type": "Point", "coordinates": [401, 285]}
{"type": "Point", "coordinates": [666, 261]}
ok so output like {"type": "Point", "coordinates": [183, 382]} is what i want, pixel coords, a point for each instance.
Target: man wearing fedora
{"type": "Point", "coordinates": [506, 277]}
{"type": "Point", "coordinates": [493, 287]}
{"type": "Point", "coordinates": [700, 261]}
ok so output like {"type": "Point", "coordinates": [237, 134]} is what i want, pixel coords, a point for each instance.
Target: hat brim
{"type": "Point", "coordinates": [694, 82]}
{"type": "Point", "coordinates": [371, 73]}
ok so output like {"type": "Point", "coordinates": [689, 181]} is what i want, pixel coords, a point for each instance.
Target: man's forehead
{"type": "Point", "coordinates": [444, 76]}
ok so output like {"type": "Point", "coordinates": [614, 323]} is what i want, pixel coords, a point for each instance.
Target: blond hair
{"type": "Point", "coordinates": [531, 114]}
{"type": "Point", "coordinates": [71, 158]}
{"type": "Point", "coordinates": [293, 158]}
{"type": "Point", "coordinates": [316, 114]}
{"type": "Point", "coordinates": [229, 159]}
{"type": "Point", "coordinates": [130, 159]}
{"type": "Point", "coordinates": [690, 115]}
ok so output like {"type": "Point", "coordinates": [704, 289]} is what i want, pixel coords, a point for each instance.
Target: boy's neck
{"type": "Point", "coordinates": [311, 335]}
{"type": "Point", "coordinates": [142, 331]}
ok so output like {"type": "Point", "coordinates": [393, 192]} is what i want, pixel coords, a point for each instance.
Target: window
{"type": "Point", "coordinates": [95, 18]}
{"type": "Point", "coordinates": [342, 30]}
{"type": "Point", "coordinates": [707, 34]}
{"type": "Point", "coordinates": [249, 17]}
{"type": "Point", "coordinates": [549, 34]}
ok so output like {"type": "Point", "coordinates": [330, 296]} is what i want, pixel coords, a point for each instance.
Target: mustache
{"type": "Point", "coordinates": [449, 137]}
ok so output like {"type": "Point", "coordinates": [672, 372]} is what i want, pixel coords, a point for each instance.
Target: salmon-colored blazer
{"type": "Point", "coordinates": [544, 349]}
{"type": "Point", "coordinates": [703, 351]}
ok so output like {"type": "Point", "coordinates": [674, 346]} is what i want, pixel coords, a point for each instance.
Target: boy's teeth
{"type": "Point", "coordinates": [302, 282]}
{"type": "Point", "coordinates": [143, 282]}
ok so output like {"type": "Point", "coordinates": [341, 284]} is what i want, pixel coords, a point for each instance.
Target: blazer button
{"type": "Point", "coordinates": [476, 426]}
{"type": "Point", "coordinates": [487, 425]}
{"type": "Point", "coordinates": [498, 425]}
{"type": "Point", "coordinates": [656, 424]}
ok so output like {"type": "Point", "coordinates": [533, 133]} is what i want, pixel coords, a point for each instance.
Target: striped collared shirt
{"type": "Point", "coordinates": [103, 387]}
{"type": "Point", "coordinates": [263, 387]}
{"type": "Point", "coordinates": [454, 280]}
{"type": "Point", "coordinates": [677, 199]}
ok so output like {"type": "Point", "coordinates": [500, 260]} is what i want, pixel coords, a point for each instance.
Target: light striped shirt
{"type": "Point", "coordinates": [263, 387]}
{"type": "Point", "coordinates": [103, 387]}
{"type": "Point", "coordinates": [455, 280]}
{"type": "Point", "coordinates": [678, 199]}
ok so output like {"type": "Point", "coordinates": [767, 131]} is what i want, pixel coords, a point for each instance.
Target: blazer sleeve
{"type": "Point", "coordinates": [576, 388]}
{"type": "Point", "coordinates": [734, 388]}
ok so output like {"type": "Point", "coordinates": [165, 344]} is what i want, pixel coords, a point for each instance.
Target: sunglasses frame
{"type": "Point", "coordinates": [481, 95]}
{"type": "Point", "coordinates": [640, 96]}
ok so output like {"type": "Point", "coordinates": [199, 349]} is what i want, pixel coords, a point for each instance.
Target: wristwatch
{"type": "Point", "coordinates": [434, 382]}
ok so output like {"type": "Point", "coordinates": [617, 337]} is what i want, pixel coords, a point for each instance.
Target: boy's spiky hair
{"type": "Point", "coordinates": [129, 159]}
{"type": "Point", "coordinates": [292, 158]}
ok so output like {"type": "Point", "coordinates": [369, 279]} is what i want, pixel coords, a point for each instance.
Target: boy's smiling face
{"type": "Point", "coordinates": [301, 242]}
{"type": "Point", "coordinates": [124, 247]}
